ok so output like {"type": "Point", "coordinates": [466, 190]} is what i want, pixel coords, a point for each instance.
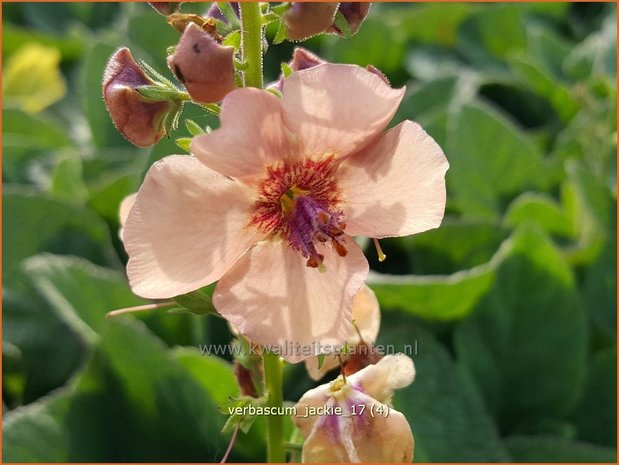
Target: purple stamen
{"type": "Point", "coordinates": [310, 221]}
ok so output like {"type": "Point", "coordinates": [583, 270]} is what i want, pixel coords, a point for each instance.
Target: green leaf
{"type": "Point", "coordinates": [560, 96]}
{"type": "Point", "coordinates": [590, 205]}
{"type": "Point", "coordinates": [544, 210]}
{"type": "Point", "coordinates": [70, 46]}
{"type": "Point", "coordinates": [557, 450]}
{"type": "Point", "coordinates": [490, 159]}
{"type": "Point", "coordinates": [599, 290]}
{"type": "Point", "coordinates": [67, 181]}
{"type": "Point", "coordinates": [68, 230]}
{"type": "Point", "coordinates": [442, 405]}
{"type": "Point", "coordinates": [433, 297]}
{"type": "Point", "coordinates": [596, 413]}
{"type": "Point", "coordinates": [81, 293]}
{"type": "Point", "coordinates": [478, 39]}
{"type": "Point", "coordinates": [107, 194]}
{"type": "Point", "coordinates": [596, 55]}
{"type": "Point", "coordinates": [50, 350]}
{"type": "Point", "coordinates": [114, 411]}
{"type": "Point", "coordinates": [151, 35]}
{"type": "Point", "coordinates": [27, 138]}
{"type": "Point", "coordinates": [439, 297]}
{"type": "Point", "coordinates": [455, 246]}
{"type": "Point", "coordinates": [433, 22]}
{"type": "Point", "coordinates": [525, 344]}
{"type": "Point", "coordinates": [377, 42]}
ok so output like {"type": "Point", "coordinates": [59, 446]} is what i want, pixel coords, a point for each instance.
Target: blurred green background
{"type": "Point", "coordinates": [512, 301]}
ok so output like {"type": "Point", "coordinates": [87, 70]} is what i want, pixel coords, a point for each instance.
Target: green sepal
{"type": "Point", "coordinates": [156, 76]}
{"type": "Point", "coordinates": [170, 122]}
{"type": "Point", "coordinates": [281, 33]}
{"type": "Point", "coordinates": [194, 128]}
{"type": "Point", "coordinates": [342, 25]}
{"type": "Point", "coordinates": [321, 360]}
{"type": "Point", "coordinates": [228, 12]}
{"type": "Point", "coordinates": [233, 40]}
{"type": "Point", "coordinates": [274, 91]}
{"type": "Point", "coordinates": [196, 302]}
{"type": "Point", "coordinates": [183, 143]}
{"type": "Point", "coordinates": [159, 93]}
{"type": "Point", "coordinates": [245, 422]}
{"type": "Point", "coordinates": [281, 9]}
{"type": "Point", "coordinates": [286, 70]}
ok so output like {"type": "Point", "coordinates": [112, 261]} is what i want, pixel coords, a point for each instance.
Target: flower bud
{"type": "Point", "coordinates": [166, 8]}
{"type": "Point", "coordinates": [139, 119]}
{"type": "Point", "coordinates": [301, 59]}
{"type": "Point", "coordinates": [354, 13]}
{"type": "Point", "coordinates": [306, 19]}
{"type": "Point", "coordinates": [205, 67]}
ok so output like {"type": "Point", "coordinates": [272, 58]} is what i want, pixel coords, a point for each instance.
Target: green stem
{"type": "Point", "coordinates": [251, 42]}
{"type": "Point", "coordinates": [276, 452]}
{"type": "Point", "coordinates": [251, 49]}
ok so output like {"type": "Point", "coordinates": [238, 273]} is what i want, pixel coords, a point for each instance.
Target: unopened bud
{"type": "Point", "coordinates": [301, 59]}
{"type": "Point", "coordinates": [306, 19]}
{"type": "Point", "coordinates": [205, 67]}
{"type": "Point", "coordinates": [138, 118]}
{"type": "Point", "coordinates": [166, 8]}
{"type": "Point", "coordinates": [353, 13]}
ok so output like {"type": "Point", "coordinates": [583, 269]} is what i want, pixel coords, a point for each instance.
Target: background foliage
{"type": "Point", "coordinates": [512, 301]}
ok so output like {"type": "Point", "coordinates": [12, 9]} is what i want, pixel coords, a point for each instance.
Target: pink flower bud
{"type": "Point", "coordinates": [304, 19]}
{"type": "Point", "coordinates": [204, 66]}
{"type": "Point", "coordinates": [137, 118]}
{"type": "Point", "coordinates": [166, 8]}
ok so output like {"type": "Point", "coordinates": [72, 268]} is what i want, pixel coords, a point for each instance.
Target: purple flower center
{"type": "Point", "coordinates": [298, 201]}
{"type": "Point", "coordinates": [310, 222]}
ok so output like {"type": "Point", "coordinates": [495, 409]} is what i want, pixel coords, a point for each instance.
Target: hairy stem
{"type": "Point", "coordinates": [276, 452]}
{"type": "Point", "coordinates": [251, 42]}
{"type": "Point", "coordinates": [251, 49]}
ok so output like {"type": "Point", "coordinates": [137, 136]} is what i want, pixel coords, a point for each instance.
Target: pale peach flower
{"type": "Point", "coordinates": [123, 212]}
{"type": "Point", "coordinates": [352, 420]}
{"type": "Point", "coordinates": [366, 321]}
{"type": "Point", "coordinates": [269, 202]}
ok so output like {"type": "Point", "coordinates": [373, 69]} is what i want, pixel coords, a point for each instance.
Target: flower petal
{"type": "Point", "coordinates": [123, 212]}
{"type": "Point", "coordinates": [272, 297]}
{"type": "Point", "coordinates": [396, 186]}
{"type": "Point", "coordinates": [391, 437]}
{"type": "Point", "coordinates": [366, 318]}
{"type": "Point", "coordinates": [365, 436]}
{"type": "Point", "coordinates": [379, 381]}
{"type": "Point", "coordinates": [337, 109]}
{"type": "Point", "coordinates": [251, 135]}
{"type": "Point", "coordinates": [328, 364]}
{"type": "Point", "coordinates": [188, 225]}
{"type": "Point", "coordinates": [313, 398]}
